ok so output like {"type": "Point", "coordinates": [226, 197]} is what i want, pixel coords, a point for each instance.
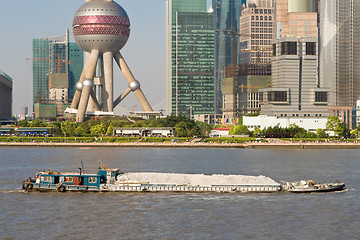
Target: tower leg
{"type": "Point", "coordinates": [122, 96]}
{"type": "Point", "coordinates": [131, 79]}
{"type": "Point", "coordinates": [108, 75]}
{"type": "Point", "coordinates": [86, 90]}
{"type": "Point", "coordinates": [76, 98]}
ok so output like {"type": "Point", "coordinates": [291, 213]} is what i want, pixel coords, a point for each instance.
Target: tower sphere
{"type": "Point", "coordinates": [135, 85]}
{"type": "Point", "coordinates": [101, 24]}
{"type": "Point", "coordinates": [79, 86]}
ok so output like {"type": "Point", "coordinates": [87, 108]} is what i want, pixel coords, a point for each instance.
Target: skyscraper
{"type": "Point", "coordinates": [50, 55]}
{"type": "Point", "coordinates": [340, 50]}
{"type": "Point", "coordinates": [227, 17]}
{"type": "Point", "coordinates": [189, 57]}
{"type": "Point", "coordinates": [296, 18]}
{"type": "Point", "coordinates": [6, 87]}
{"type": "Point", "coordinates": [256, 30]}
{"type": "Point", "coordinates": [76, 57]}
{"type": "Point", "coordinates": [294, 91]}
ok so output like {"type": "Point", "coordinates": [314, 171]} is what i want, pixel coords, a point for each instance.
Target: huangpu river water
{"type": "Point", "coordinates": [181, 215]}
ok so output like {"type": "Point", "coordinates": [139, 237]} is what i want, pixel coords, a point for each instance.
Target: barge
{"type": "Point", "coordinates": [112, 180]}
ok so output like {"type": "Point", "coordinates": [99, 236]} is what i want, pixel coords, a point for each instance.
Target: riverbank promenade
{"type": "Point", "coordinates": [248, 145]}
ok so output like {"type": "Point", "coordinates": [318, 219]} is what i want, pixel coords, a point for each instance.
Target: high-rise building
{"type": "Point", "coordinates": [190, 57]}
{"type": "Point", "coordinates": [6, 86]}
{"type": "Point", "coordinates": [296, 18]}
{"type": "Point", "coordinates": [340, 51]}
{"type": "Point", "coordinates": [55, 55]}
{"type": "Point", "coordinates": [76, 58]}
{"type": "Point", "coordinates": [295, 91]}
{"type": "Point", "coordinates": [227, 17]}
{"type": "Point", "coordinates": [256, 34]}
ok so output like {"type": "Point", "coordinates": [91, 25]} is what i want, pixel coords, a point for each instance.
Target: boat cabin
{"type": "Point", "coordinates": [65, 181]}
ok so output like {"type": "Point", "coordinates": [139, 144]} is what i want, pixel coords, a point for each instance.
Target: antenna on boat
{"type": "Point", "coordinates": [99, 164]}
{"type": "Point", "coordinates": [82, 166]}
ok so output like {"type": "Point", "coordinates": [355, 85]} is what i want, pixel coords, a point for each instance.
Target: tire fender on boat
{"type": "Point", "coordinates": [29, 187]}
{"type": "Point", "coordinates": [61, 188]}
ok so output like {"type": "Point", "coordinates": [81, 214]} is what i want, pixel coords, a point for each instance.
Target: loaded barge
{"type": "Point", "coordinates": [112, 180]}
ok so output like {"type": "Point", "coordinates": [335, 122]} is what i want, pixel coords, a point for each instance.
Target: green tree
{"type": "Point", "coordinates": [320, 133]}
{"type": "Point", "coordinates": [55, 128]}
{"type": "Point", "coordinates": [23, 123]}
{"type": "Point", "coordinates": [98, 130]}
{"type": "Point", "coordinates": [332, 123]}
{"type": "Point", "coordinates": [181, 129]}
{"type": "Point", "coordinates": [68, 128]}
{"type": "Point", "coordinates": [241, 130]}
{"type": "Point", "coordinates": [339, 127]}
{"type": "Point", "coordinates": [80, 131]}
{"type": "Point", "coordinates": [232, 130]}
{"type": "Point", "coordinates": [109, 131]}
{"type": "Point", "coordinates": [205, 128]}
{"type": "Point", "coordinates": [257, 131]}
{"type": "Point", "coordinates": [354, 133]}
{"type": "Point", "coordinates": [38, 123]}
{"type": "Point", "coordinates": [187, 129]}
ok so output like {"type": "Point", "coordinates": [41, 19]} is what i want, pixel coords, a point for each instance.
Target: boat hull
{"type": "Point", "coordinates": [186, 188]}
{"type": "Point", "coordinates": [320, 188]}
{"type": "Point", "coordinates": [154, 188]}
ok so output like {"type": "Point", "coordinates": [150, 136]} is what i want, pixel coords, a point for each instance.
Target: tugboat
{"type": "Point", "coordinates": [311, 187]}
{"type": "Point", "coordinates": [66, 181]}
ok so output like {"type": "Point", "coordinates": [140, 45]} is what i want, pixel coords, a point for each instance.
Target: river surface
{"type": "Point", "coordinates": [181, 215]}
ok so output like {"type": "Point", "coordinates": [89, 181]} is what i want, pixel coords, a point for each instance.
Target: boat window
{"type": "Point", "coordinates": [92, 180]}
{"type": "Point", "coordinates": [47, 179]}
{"type": "Point", "coordinates": [68, 179]}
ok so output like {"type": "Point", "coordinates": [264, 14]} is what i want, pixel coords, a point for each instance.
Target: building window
{"type": "Point", "coordinates": [283, 48]}
{"type": "Point", "coordinates": [274, 49]}
{"type": "Point", "coordinates": [261, 97]}
{"type": "Point", "coordinates": [277, 96]}
{"type": "Point", "coordinates": [321, 97]}
{"type": "Point", "coordinates": [291, 48]}
{"type": "Point", "coordinates": [310, 48]}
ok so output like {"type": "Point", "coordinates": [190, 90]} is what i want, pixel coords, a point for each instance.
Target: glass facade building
{"type": "Point", "coordinates": [6, 95]}
{"type": "Point", "coordinates": [340, 50]}
{"type": "Point", "coordinates": [190, 58]}
{"type": "Point", "coordinates": [48, 53]}
{"type": "Point", "coordinates": [227, 18]}
{"type": "Point", "coordinates": [76, 57]}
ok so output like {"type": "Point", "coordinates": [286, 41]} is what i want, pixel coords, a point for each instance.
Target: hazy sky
{"type": "Point", "coordinates": [23, 20]}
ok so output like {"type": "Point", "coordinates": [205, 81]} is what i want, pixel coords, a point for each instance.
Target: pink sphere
{"type": "Point", "coordinates": [102, 25]}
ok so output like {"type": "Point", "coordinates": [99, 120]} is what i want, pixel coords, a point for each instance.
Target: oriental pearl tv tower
{"type": "Point", "coordinates": [101, 28]}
